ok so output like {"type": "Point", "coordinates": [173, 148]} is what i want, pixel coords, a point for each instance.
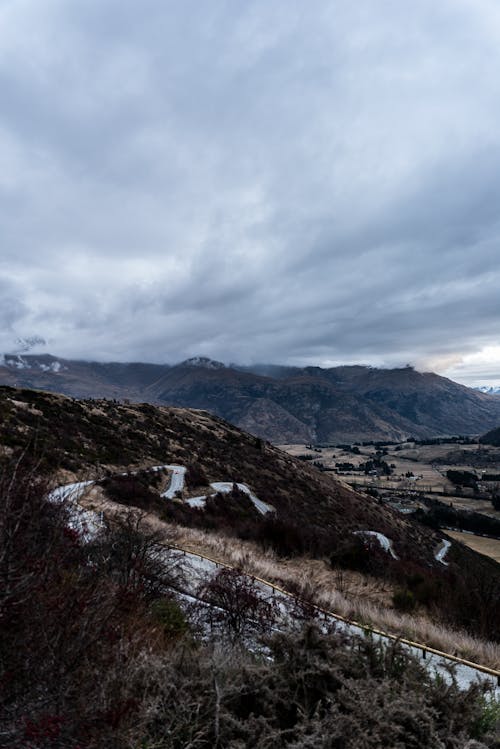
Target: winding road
{"type": "Point", "coordinates": [197, 565]}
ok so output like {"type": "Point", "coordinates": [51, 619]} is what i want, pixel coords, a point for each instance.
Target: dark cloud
{"type": "Point", "coordinates": [252, 181]}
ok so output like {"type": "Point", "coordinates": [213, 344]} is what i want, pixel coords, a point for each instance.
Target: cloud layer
{"type": "Point", "coordinates": [252, 181]}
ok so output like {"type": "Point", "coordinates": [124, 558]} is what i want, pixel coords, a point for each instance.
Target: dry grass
{"type": "Point", "coordinates": [357, 597]}
{"type": "Point", "coordinates": [353, 596]}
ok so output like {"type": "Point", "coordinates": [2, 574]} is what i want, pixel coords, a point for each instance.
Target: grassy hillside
{"type": "Point", "coordinates": [99, 649]}
{"type": "Point", "coordinates": [315, 514]}
{"type": "Point", "coordinates": [92, 438]}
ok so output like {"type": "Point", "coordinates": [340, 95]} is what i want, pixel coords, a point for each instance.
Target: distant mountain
{"type": "Point", "coordinates": [490, 389]}
{"type": "Point", "coordinates": [281, 404]}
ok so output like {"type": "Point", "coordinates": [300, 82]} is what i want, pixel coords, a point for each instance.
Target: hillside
{"type": "Point", "coordinates": [112, 609]}
{"type": "Point", "coordinates": [96, 438]}
{"type": "Point", "coordinates": [280, 404]}
{"type": "Point", "coordinates": [99, 647]}
{"type": "Point", "coordinates": [314, 514]}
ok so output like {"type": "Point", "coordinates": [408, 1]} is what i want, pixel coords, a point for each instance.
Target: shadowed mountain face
{"type": "Point", "coordinates": [281, 404]}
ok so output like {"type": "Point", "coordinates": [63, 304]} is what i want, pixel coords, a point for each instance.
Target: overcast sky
{"type": "Point", "coordinates": [253, 180]}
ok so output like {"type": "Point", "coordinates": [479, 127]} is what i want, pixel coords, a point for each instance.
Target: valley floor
{"type": "Point", "coordinates": [490, 547]}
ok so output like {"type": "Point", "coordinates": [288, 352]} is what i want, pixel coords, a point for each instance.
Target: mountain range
{"type": "Point", "coordinates": [490, 389]}
{"type": "Point", "coordinates": [278, 403]}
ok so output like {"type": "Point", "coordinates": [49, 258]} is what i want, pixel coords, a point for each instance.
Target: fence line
{"type": "Point", "coordinates": [366, 627]}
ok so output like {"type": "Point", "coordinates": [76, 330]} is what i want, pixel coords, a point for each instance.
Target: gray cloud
{"type": "Point", "coordinates": [251, 181]}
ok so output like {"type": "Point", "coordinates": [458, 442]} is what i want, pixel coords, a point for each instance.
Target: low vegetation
{"type": "Point", "coordinates": [98, 650]}
{"type": "Point", "coordinates": [356, 596]}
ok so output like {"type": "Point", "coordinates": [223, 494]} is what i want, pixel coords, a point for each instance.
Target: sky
{"type": "Point", "coordinates": [253, 181]}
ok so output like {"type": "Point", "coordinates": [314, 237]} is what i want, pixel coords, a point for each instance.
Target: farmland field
{"type": "Point", "coordinates": [490, 547]}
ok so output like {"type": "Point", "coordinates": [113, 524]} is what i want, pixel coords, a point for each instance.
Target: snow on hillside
{"type": "Point", "coordinates": [16, 361]}
{"type": "Point", "coordinates": [203, 362]}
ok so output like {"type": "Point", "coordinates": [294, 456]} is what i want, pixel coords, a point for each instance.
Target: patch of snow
{"type": "Point", "coordinates": [26, 344]}
{"type": "Point", "coordinates": [384, 542]}
{"type": "Point", "coordinates": [203, 362]}
{"type": "Point", "coordinates": [489, 389]}
{"type": "Point", "coordinates": [16, 362]}
{"type": "Point", "coordinates": [55, 366]}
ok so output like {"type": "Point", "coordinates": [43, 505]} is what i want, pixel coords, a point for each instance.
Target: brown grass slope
{"type": "Point", "coordinates": [315, 514]}
{"type": "Point", "coordinates": [87, 438]}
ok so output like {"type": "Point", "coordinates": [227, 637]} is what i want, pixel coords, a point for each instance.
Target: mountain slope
{"type": "Point", "coordinates": [98, 437]}
{"type": "Point", "coordinates": [314, 514]}
{"type": "Point", "coordinates": [282, 404]}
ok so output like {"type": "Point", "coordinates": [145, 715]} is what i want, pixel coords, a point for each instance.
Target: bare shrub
{"type": "Point", "coordinates": [309, 690]}
{"type": "Point", "coordinates": [237, 606]}
{"type": "Point", "coordinates": [138, 557]}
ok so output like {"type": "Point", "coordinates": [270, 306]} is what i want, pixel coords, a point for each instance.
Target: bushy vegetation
{"type": "Point", "coordinates": [491, 438]}
{"type": "Point", "coordinates": [138, 489]}
{"type": "Point", "coordinates": [96, 652]}
{"type": "Point", "coordinates": [377, 465]}
{"type": "Point", "coordinates": [462, 478]}
{"type": "Point", "coordinates": [70, 613]}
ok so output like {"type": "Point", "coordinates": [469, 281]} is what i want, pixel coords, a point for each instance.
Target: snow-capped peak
{"type": "Point", "coordinates": [203, 362]}
{"type": "Point", "coordinates": [489, 389]}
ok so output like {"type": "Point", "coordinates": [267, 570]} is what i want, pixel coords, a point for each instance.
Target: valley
{"type": "Point", "coordinates": [408, 475]}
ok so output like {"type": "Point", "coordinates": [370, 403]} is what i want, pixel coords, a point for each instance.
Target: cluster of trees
{"type": "Point", "coordinates": [440, 515]}
{"type": "Point", "coordinates": [462, 478]}
{"type": "Point", "coordinates": [345, 466]}
{"type": "Point", "coordinates": [97, 650]}
{"type": "Point", "coordinates": [376, 464]}
{"type": "Point", "coordinates": [470, 480]}
{"type": "Point", "coordinates": [457, 440]}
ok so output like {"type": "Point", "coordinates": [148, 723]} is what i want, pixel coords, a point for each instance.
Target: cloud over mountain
{"type": "Point", "coordinates": [251, 181]}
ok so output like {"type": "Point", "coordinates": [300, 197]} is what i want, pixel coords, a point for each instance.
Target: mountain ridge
{"type": "Point", "coordinates": [278, 403]}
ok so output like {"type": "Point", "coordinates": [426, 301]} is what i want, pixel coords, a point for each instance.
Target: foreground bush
{"type": "Point", "coordinates": [310, 690]}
